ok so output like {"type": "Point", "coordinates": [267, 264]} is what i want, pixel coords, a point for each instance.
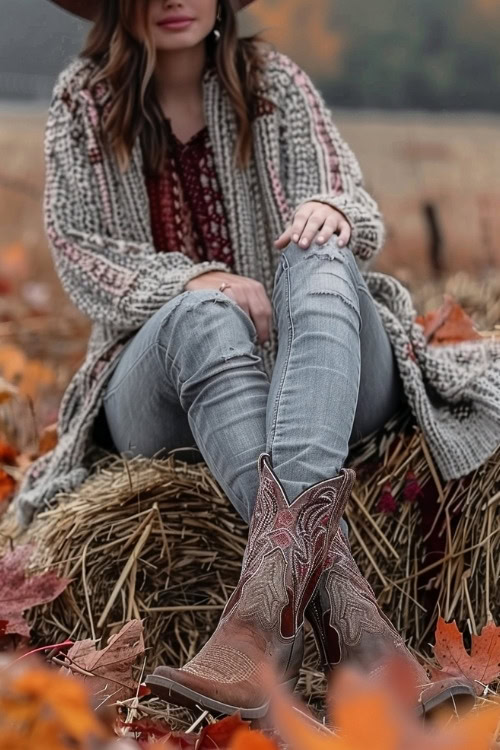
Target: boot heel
{"type": "Point", "coordinates": [461, 698]}
{"type": "Point", "coordinates": [314, 617]}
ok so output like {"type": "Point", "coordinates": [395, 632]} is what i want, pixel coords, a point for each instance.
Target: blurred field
{"type": "Point", "coordinates": [436, 177]}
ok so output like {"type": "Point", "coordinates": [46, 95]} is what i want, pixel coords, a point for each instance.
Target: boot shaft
{"type": "Point", "coordinates": [287, 548]}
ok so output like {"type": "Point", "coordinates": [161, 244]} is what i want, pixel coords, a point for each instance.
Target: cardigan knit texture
{"type": "Point", "coordinates": [98, 226]}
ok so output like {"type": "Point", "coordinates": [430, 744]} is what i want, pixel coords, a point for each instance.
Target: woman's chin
{"type": "Point", "coordinates": [176, 41]}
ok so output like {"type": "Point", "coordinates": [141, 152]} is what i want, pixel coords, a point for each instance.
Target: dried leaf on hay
{"type": "Point", "coordinates": [450, 324]}
{"type": "Point", "coordinates": [20, 591]}
{"type": "Point", "coordinates": [110, 669]}
{"type": "Point", "coordinates": [483, 663]}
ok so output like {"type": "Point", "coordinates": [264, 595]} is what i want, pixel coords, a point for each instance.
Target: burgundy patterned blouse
{"type": "Point", "coordinates": [187, 212]}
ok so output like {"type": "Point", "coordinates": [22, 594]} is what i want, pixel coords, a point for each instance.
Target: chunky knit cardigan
{"type": "Point", "coordinates": [98, 226]}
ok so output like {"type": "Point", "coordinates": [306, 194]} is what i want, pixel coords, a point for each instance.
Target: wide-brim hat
{"type": "Point", "coordinates": [87, 8]}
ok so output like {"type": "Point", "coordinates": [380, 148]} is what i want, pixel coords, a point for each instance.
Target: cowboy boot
{"type": "Point", "coordinates": [263, 620]}
{"type": "Point", "coordinates": [349, 626]}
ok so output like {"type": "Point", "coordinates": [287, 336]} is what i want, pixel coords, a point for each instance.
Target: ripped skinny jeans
{"type": "Point", "coordinates": [191, 378]}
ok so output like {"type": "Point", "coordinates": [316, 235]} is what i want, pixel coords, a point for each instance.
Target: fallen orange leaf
{"type": "Point", "coordinates": [483, 663]}
{"type": "Point", "coordinates": [14, 263]}
{"type": "Point", "coordinates": [8, 454]}
{"type": "Point", "coordinates": [7, 486]}
{"type": "Point", "coordinates": [369, 713]}
{"type": "Point", "coordinates": [220, 733]}
{"type": "Point", "coordinates": [30, 376]}
{"type": "Point", "coordinates": [66, 698]}
{"type": "Point", "coordinates": [477, 730]}
{"type": "Point", "coordinates": [450, 324]}
{"type": "Point", "coordinates": [48, 439]}
{"type": "Point", "coordinates": [250, 739]}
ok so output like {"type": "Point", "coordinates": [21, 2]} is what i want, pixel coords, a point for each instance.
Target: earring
{"type": "Point", "coordinates": [218, 23]}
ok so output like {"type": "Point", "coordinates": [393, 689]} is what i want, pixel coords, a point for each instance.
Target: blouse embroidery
{"type": "Point", "coordinates": [187, 211]}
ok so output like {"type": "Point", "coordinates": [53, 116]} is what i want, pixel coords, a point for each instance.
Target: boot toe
{"type": "Point", "coordinates": [181, 687]}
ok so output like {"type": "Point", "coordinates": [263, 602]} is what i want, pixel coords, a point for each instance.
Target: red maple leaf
{"type": "Point", "coordinates": [482, 665]}
{"type": "Point", "coordinates": [19, 591]}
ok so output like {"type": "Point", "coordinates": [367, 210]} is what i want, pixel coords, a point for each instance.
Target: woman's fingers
{"type": "Point", "coordinates": [261, 313]}
{"type": "Point", "coordinates": [284, 239]}
{"type": "Point", "coordinates": [239, 298]}
{"type": "Point", "coordinates": [313, 223]}
{"type": "Point", "coordinates": [311, 231]}
{"type": "Point", "coordinates": [344, 232]}
{"type": "Point", "coordinates": [328, 230]}
{"type": "Point", "coordinates": [252, 297]}
{"type": "Point", "coordinates": [294, 231]}
{"type": "Point", "coordinates": [306, 224]}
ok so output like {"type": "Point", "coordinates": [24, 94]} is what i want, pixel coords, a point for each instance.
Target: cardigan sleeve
{"type": "Point", "coordinates": [112, 280]}
{"type": "Point", "coordinates": [319, 164]}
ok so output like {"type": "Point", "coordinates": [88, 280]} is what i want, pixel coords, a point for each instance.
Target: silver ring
{"type": "Point", "coordinates": [224, 286]}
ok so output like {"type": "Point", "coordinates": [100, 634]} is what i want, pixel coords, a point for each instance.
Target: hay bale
{"type": "Point", "coordinates": [158, 540]}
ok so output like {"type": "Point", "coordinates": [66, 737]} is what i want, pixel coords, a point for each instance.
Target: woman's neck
{"type": "Point", "coordinates": [179, 74]}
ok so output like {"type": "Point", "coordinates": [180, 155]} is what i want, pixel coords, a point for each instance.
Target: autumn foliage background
{"type": "Point", "coordinates": [426, 130]}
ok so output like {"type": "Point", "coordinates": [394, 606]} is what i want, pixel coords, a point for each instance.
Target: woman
{"type": "Point", "coordinates": [202, 207]}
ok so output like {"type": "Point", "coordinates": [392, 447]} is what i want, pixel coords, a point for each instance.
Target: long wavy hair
{"type": "Point", "coordinates": [121, 46]}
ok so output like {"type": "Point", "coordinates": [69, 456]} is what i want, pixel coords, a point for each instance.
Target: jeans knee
{"type": "Point", "coordinates": [323, 270]}
{"type": "Point", "coordinates": [190, 299]}
{"type": "Point", "coordinates": [207, 318]}
{"type": "Point", "coordinates": [184, 305]}
{"type": "Point", "coordinates": [330, 250]}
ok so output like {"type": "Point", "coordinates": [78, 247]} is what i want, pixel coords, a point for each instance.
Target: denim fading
{"type": "Point", "coordinates": [191, 379]}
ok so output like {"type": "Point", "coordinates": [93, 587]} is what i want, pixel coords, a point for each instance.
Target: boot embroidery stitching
{"type": "Point", "coordinates": [353, 605]}
{"type": "Point", "coordinates": [264, 594]}
{"type": "Point", "coordinates": [222, 664]}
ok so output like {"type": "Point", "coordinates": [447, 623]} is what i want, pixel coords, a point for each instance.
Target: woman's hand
{"type": "Point", "coordinates": [248, 293]}
{"type": "Point", "coordinates": [315, 221]}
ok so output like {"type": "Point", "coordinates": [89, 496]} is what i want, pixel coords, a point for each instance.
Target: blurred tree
{"type": "Point", "coordinates": [393, 53]}
{"type": "Point", "coordinates": [308, 31]}
{"type": "Point", "coordinates": [430, 54]}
